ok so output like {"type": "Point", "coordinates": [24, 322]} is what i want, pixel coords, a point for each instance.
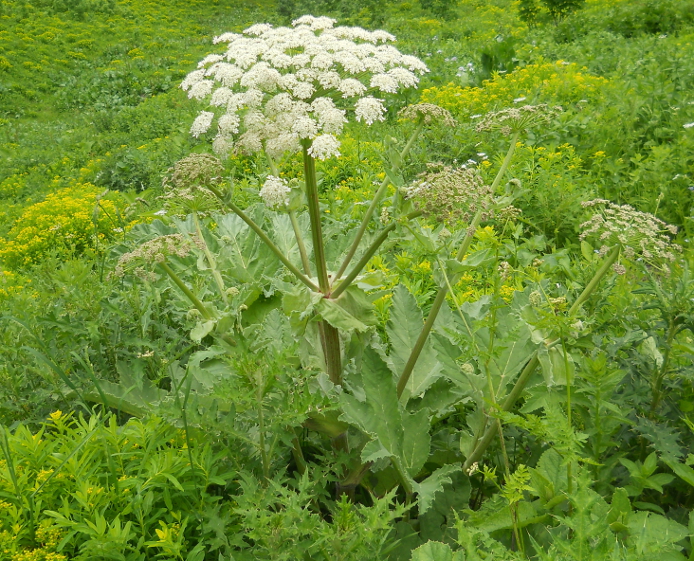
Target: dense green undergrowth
{"type": "Point", "coordinates": [175, 386]}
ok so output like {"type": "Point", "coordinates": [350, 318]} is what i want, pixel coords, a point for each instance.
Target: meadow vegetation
{"type": "Point", "coordinates": [431, 307]}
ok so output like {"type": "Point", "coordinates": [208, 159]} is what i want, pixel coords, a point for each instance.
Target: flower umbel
{"type": "Point", "coordinates": [517, 119]}
{"type": "Point", "coordinates": [451, 194]}
{"type": "Point", "coordinates": [429, 112]}
{"type": "Point", "coordinates": [153, 252]}
{"type": "Point", "coordinates": [186, 182]}
{"type": "Point", "coordinates": [278, 86]}
{"type": "Point", "coordinates": [637, 233]}
{"type": "Point", "coordinates": [275, 193]}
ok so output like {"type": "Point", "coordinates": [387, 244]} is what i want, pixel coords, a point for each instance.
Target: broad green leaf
{"type": "Point", "coordinates": [285, 239]}
{"type": "Point", "coordinates": [404, 327]}
{"type": "Point", "coordinates": [549, 477]}
{"type": "Point", "coordinates": [135, 402]}
{"type": "Point", "coordinates": [441, 516]}
{"type": "Point", "coordinates": [433, 551]}
{"type": "Point", "coordinates": [416, 441]}
{"type": "Point", "coordinates": [242, 254]}
{"type": "Point", "coordinates": [620, 509]}
{"type": "Point", "coordinates": [653, 533]}
{"type": "Point", "coordinates": [358, 304]}
{"type": "Point", "coordinates": [207, 368]}
{"type": "Point", "coordinates": [554, 367]}
{"type": "Point", "coordinates": [427, 489]}
{"type": "Point", "coordinates": [339, 317]}
{"type": "Point", "coordinates": [395, 433]}
{"type": "Point", "coordinates": [456, 269]}
{"type": "Point", "coordinates": [683, 471]}
{"type": "Point", "coordinates": [380, 415]}
{"type": "Point", "coordinates": [201, 330]}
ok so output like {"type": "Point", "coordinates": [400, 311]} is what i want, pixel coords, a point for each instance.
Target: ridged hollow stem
{"type": "Point", "coordinates": [300, 242]}
{"type": "Point", "coordinates": [330, 337]}
{"type": "Point", "coordinates": [597, 277]}
{"type": "Point", "coordinates": [376, 199]}
{"type": "Point", "coordinates": [189, 294]}
{"type": "Point", "coordinates": [211, 261]}
{"type": "Point", "coordinates": [369, 253]}
{"type": "Point", "coordinates": [267, 241]}
{"type": "Point", "coordinates": [314, 215]}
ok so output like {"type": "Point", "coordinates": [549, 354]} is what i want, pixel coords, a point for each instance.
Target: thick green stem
{"type": "Point", "coordinates": [592, 285]}
{"type": "Point", "coordinates": [268, 242]}
{"type": "Point", "coordinates": [314, 214]}
{"type": "Point", "coordinates": [211, 261]}
{"type": "Point", "coordinates": [376, 199]}
{"type": "Point", "coordinates": [368, 254]}
{"type": "Point", "coordinates": [300, 242]}
{"type": "Point", "coordinates": [180, 284]}
{"type": "Point", "coordinates": [330, 337]}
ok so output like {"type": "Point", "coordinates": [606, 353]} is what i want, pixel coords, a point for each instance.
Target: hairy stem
{"type": "Point", "coordinates": [376, 199]}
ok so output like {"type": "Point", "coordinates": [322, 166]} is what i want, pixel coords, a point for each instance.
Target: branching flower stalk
{"type": "Point", "coordinates": [632, 234]}
{"type": "Point", "coordinates": [266, 240]}
{"type": "Point", "coordinates": [187, 291]}
{"type": "Point", "coordinates": [288, 90]}
{"type": "Point", "coordinates": [443, 291]}
{"type": "Point", "coordinates": [370, 252]}
{"type": "Point", "coordinates": [376, 200]}
{"type": "Point", "coordinates": [292, 218]}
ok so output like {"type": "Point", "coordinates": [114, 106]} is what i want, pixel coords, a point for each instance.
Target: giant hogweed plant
{"type": "Point", "coordinates": [282, 91]}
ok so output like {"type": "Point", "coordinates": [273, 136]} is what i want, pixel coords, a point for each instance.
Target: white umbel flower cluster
{"type": "Point", "coordinates": [275, 193]}
{"type": "Point", "coordinates": [279, 88]}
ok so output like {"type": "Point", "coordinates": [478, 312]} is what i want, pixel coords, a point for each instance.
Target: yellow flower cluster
{"type": "Point", "coordinates": [47, 534]}
{"type": "Point", "coordinates": [66, 222]}
{"type": "Point", "coordinates": [558, 82]}
{"type": "Point", "coordinates": [11, 284]}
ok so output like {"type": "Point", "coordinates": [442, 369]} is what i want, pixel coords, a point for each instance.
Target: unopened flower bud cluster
{"type": "Point", "coordinates": [185, 184]}
{"type": "Point", "coordinates": [517, 119]}
{"type": "Point", "coordinates": [429, 113]}
{"type": "Point", "coordinates": [639, 234]}
{"type": "Point", "coordinates": [279, 88]}
{"type": "Point", "coordinates": [451, 195]}
{"type": "Point", "coordinates": [152, 252]}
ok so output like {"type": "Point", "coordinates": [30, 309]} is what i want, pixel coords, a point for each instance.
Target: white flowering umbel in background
{"type": "Point", "coordinates": [292, 89]}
